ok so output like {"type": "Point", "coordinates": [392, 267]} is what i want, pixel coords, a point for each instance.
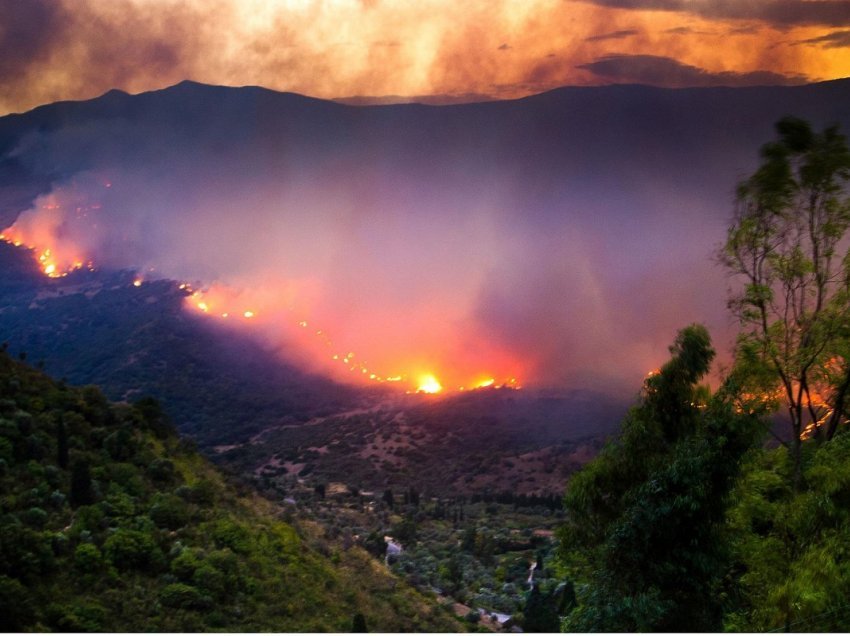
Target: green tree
{"type": "Point", "coordinates": [358, 624]}
{"type": "Point", "coordinates": [645, 519]}
{"type": "Point", "coordinates": [17, 610]}
{"type": "Point", "coordinates": [389, 498]}
{"type": "Point", "coordinates": [791, 547]}
{"type": "Point", "coordinates": [540, 613]}
{"type": "Point", "coordinates": [133, 549]}
{"type": "Point", "coordinates": [61, 444]}
{"type": "Point", "coordinates": [785, 246]}
{"type": "Point", "coordinates": [82, 493]}
{"type": "Point", "coordinates": [169, 511]}
{"type": "Point", "coordinates": [182, 596]}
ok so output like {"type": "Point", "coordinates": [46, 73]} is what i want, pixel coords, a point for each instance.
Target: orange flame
{"type": "Point", "coordinates": [288, 313]}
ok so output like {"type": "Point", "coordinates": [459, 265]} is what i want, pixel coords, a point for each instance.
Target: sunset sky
{"type": "Point", "coordinates": [445, 50]}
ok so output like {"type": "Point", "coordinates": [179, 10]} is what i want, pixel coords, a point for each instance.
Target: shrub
{"type": "Point", "coordinates": [87, 558]}
{"type": "Point", "coordinates": [184, 565]}
{"type": "Point", "coordinates": [132, 549]}
{"type": "Point", "coordinates": [35, 518]}
{"type": "Point", "coordinates": [17, 610]}
{"type": "Point", "coordinates": [169, 512]}
{"type": "Point", "coordinates": [228, 534]}
{"type": "Point", "coordinates": [182, 596]}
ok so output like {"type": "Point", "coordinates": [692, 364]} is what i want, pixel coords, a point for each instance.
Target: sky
{"type": "Point", "coordinates": [438, 50]}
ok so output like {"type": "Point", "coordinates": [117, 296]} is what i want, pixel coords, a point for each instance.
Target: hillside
{"type": "Point", "coordinates": [485, 441]}
{"type": "Point", "coordinates": [98, 328]}
{"type": "Point", "coordinates": [255, 413]}
{"type": "Point", "coordinates": [109, 522]}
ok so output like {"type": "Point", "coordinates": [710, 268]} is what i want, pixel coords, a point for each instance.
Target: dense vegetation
{"type": "Point", "coordinates": [479, 553]}
{"type": "Point", "coordinates": [109, 522]}
{"type": "Point", "coordinates": [688, 521]}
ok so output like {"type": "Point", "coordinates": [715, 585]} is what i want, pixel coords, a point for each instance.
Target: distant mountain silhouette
{"type": "Point", "coordinates": [698, 137]}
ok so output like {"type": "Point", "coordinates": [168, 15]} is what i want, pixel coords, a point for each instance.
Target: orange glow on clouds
{"type": "Point", "coordinates": [455, 50]}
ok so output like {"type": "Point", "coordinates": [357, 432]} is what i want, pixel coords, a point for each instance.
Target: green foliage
{"type": "Point", "coordinates": [82, 493]}
{"type": "Point", "coordinates": [169, 511]}
{"type": "Point", "coordinates": [88, 559]}
{"type": "Point", "coordinates": [133, 549]}
{"type": "Point", "coordinates": [84, 616]}
{"type": "Point", "coordinates": [785, 248]}
{"type": "Point", "coordinates": [358, 624]}
{"type": "Point", "coordinates": [17, 609]}
{"type": "Point", "coordinates": [228, 534]}
{"type": "Point", "coordinates": [644, 526]}
{"type": "Point", "coordinates": [540, 613]}
{"type": "Point", "coordinates": [140, 548]}
{"type": "Point", "coordinates": [791, 547]}
{"type": "Point", "coordinates": [182, 596]}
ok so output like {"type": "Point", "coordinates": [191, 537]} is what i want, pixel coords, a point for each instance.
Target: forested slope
{"type": "Point", "coordinates": [109, 522]}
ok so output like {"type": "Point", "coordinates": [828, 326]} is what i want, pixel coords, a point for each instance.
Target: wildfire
{"type": "Point", "coordinates": [221, 301]}
{"type": "Point", "coordinates": [263, 308]}
{"type": "Point", "coordinates": [429, 384]}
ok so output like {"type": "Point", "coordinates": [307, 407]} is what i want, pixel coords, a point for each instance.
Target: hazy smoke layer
{"type": "Point", "coordinates": [561, 240]}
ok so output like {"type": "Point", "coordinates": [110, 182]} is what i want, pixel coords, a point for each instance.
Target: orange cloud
{"type": "Point", "coordinates": [76, 49]}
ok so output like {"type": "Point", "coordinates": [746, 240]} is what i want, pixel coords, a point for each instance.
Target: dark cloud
{"type": "Point", "coordinates": [834, 40]}
{"type": "Point", "coordinates": [748, 29]}
{"type": "Point", "coordinates": [614, 35]}
{"type": "Point", "coordinates": [505, 47]}
{"type": "Point", "coordinates": [684, 30]}
{"type": "Point", "coordinates": [27, 34]}
{"type": "Point", "coordinates": [782, 13]}
{"type": "Point", "coordinates": [665, 71]}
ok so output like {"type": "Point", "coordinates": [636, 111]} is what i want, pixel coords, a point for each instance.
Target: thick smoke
{"type": "Point", "coordinates": [562, 240]}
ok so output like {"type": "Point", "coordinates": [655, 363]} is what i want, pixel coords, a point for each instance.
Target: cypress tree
{"type": "Point", "coordinates": [81, 486]}
{"type": "Point", "coordinates": [62, 445]}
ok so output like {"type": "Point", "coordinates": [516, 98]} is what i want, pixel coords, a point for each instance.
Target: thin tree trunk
{"type": "Point", "coordinates": [838, 406]}
{"type": "Point", "coordinates": [797, 445]}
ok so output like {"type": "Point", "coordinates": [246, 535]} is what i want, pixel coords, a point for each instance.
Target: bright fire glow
{"type": "Point", "coordinates": [338, 361]}
{"type": "Point", "coordinates": [429, 384]}
{"type": "Point", "coordinates": [292, 313]}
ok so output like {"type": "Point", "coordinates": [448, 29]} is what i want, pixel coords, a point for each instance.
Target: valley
{"type": "Point", "coordinates": [422, 368]}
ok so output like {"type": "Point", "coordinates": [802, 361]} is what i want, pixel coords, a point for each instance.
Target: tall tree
{"type": "Point", "coordinates": [785, 244]}
{"type": "Point", "coordinates": [82, 493]}
{"type": "Point", "coordinates": [62, 444]}
{"type": "Point", "coordinates": [644, 520]}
